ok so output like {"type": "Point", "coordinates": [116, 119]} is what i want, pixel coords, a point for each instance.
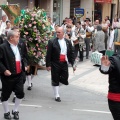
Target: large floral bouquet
{"type": "Point", "coordinates": [36, 32]}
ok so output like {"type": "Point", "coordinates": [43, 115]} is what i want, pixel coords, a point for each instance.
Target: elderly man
{"type": "Point", "coordinates": [59, 53]}
{"type": "Point", "coordinates": [12, 65]}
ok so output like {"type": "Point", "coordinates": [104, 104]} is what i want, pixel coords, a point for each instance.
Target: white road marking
{"type": "Point", "coordinates": [26, 105]}
{"type": "Point", "coordinates": [93, 111]}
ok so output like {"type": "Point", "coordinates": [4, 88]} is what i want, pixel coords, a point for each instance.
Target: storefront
{"type": "Point", "coordinates": [103, 8]}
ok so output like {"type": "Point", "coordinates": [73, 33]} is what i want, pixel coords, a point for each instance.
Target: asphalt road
{"type": "Point", "coordinates": [77, 103]}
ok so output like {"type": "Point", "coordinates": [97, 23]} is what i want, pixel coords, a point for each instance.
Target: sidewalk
{"type": "Point", "coordinates": [89, 77]}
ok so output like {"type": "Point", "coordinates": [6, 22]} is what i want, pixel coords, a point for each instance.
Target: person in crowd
{"type": "Point", "coordinates": [97, 22]}
{"type": "Point", "coordinates": [111, 40]}
{"type": "Point", "coordinates": [107, 21]}
{"type": "Point", "coordinates": [89, 30]}
{"type": "Point", "coordinates": [81, 34]}
{"type": "Point", "coordinates": [99, 44]}
{"type": "Point", "coordinates": [115, 22]}
{"type": "Point", "coordinates": [116, 39]}
{"type": "Point", "coordinates": [8, 27]}
{"type": "Point", "coordinates": [111, 66]}
{"type": "Point", "coordinates": [12, 65]}
{"type": "Point", "coordinates": [64, 23]}
{"type": "Point", "coordinates": [107, 31]}
{"type": "Point", "coordinates": [70, 22]}
{"type": "Point", "coordinates": [68, 33]}
{"type": "Point", "coordinates": [50, 23]}
{"type": "Point", "coordinates": [59, 53]}
{"type": "Point", "coordinates": [3, 24]}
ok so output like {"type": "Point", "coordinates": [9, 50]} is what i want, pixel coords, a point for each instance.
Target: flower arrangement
{"type": "Point", "coordinates": [36, 32]}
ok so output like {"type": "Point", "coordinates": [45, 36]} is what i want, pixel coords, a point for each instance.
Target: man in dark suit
{"type": "Point", "coordinates": [59, 53]}
{"type": "Point", "coordinates": [24, 49]}
{"type": "Point", "coordinates": [12, 65]}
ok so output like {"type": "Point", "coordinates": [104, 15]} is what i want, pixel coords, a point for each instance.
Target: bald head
{"type": "Point", "coordinates": [97, 22]}
{"type": "Point", "coordinates": [60, 32]}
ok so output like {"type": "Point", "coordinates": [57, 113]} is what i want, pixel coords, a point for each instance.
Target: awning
{"type": "Point", "coordinates": [103, 1]}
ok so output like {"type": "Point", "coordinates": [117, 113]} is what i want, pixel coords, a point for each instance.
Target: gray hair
{"type": "Point", "coordinates": [10, 33]}
{"type": "Point", "coordinates": [99, 27]}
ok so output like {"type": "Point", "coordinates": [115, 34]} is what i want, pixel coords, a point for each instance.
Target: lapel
{"type": "Point", "coordinates": [57, 43]}
{"type": "Point", "coordinates": [67, 44]}
{"type": "Point", "coordinates": [10, 49]}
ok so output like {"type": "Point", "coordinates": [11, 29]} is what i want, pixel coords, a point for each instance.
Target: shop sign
{"type": "Point", "coordinates": [79, 12]}
{"type": "Point", "coordinates": [108, 1]}
{"type": "Point", "coordinates": [99, 1]}
{"type": "Point", "coordinates": [103, 1]}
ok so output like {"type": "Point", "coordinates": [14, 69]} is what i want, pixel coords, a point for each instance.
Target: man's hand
{"type": "Point", "coordinates": [48, 68]}
{"type": "Point", "coordinates": [105, 61]}
{"type": "Point", "coordinates": [7, 73]}
{"type": "Point", "coordinates": [26, 68]}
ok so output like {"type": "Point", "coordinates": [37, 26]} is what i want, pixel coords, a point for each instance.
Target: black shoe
{"type": "Point", "coordinates": [15, 115]}
{"type": "Point", "coordinates": [58, 99]}
{"type": "Point", "coordinates": [86, 57]}
{"type": "Point", "coordinates": [29, 88]}
{"type": "Point", "coordinates": [96, 65]}
{"type": "Point", "coordinates": [13, 99]}
{"type": "Point", "coordinates": [80, 60]}
{"type": "Point", "coordinates": [7, 116]}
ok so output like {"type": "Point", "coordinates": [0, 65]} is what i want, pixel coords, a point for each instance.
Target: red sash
{"type": "Point", "coordinates": [62, 58]}
{"type": "Point", "coordinates": [114, 96]}
{"type": "Point", "coordinates": [18, 67]}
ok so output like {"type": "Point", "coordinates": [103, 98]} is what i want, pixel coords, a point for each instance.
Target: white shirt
{"type": "Point", "coordinates": [111, 39]}
{"type": "Point", "coordinates": [16, 52]}
{"type": "Point", "coordinates": [2, 27]}
{"type": "Point", "coordinates": [63, 47]}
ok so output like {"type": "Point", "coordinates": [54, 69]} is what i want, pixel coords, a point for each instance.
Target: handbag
{"type": "Point", "coordinates": [96, 57]}
{"type": "Point", "coordinates": [109, 53]}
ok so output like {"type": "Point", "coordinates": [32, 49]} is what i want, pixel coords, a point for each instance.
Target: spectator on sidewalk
{"type": "Point", "coordinates": [99, 44]}
{"type": "Point", "coordinates": [89, 30]}
{"type": "Point", "coordinates": [111, 67]}
{"type": "Point", "coordinates": [59, 53]}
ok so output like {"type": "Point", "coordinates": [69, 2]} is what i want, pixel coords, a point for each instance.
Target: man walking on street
{"type": "Point", "coordinates": [59, 53]}
{"type": "Point", "coordinates": [12, 65]}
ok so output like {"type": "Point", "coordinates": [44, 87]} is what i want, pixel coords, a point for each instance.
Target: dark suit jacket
{"type": "Point", "coordinates": [7, 58]}
{"type": "Point", "coordinates": [1, 40]}
{"type": "Point", "coordinates": [53, 52]}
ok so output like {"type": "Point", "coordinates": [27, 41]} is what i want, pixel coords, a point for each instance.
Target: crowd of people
{"type": "Point", "coordinates": [70, 41]}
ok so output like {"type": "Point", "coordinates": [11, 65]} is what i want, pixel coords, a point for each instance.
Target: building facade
{"type": "Point", "coordinates": [59, 9]}
{"type": "Point", "coordinates": [99, 9]}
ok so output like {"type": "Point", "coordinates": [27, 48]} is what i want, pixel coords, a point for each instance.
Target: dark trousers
{"type": "Point", "coordinates": [115, 109]}
{"type": "Point", "coordinates": [106, 40]}
{"type": "Point", "coordinates": [59, 72]}
{"type": "Point", "coordinates": [103, 52]}
{"type": "Point", "coordinates": [12, 83]}
{"type": "Point", "coordinates": [77, 48]}
{"type": "Point", "coordinates": [87, 43]}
